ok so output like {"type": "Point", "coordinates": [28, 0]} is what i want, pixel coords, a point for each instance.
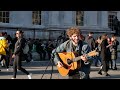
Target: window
{"type": "Point", "coordinates": [4, 16]}
{"type": "Point", "coordinates": [79, 18]}
{"type": "Point", "coordinates": [36, 17]}
{"type": "Point", "coordinates": [111, 16]}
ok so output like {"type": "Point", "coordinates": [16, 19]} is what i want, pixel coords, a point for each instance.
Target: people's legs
{"type": "Point", "coordinates": [26, 57]}
{"type": "Point", "coordinates": [4, 57]}
{"type": "Point", "coordinates": [19, 65]}
{"type": "Point", "coordinates": [111, 64]}
{"type": "Point", "coordinates": [75, 76]}
{"type": "Point", "coordinates": [15, 67]}
{"type": "Point", "coordinates": [41, 56]}
{"type": "Point", "coordinates": [10, 58]}
{"type": "Point", "coordinates": [105, 67]}
{"type": "Point", "coordinates": [100, 70]}
{"type": "Point", "coordinates": [2, 61]}
{"type": "Point", "coordinates": [44, 55]}
{"type": "Point", "coordinates": [86, 70]}
{"type": "Point", "coordinates": [30, 55]}
{"type": "Point", "coordinates": [7, 61]}
{"type": "Point", "coordinates": [114, 64]}
{"type": "Point", "coordinates": [49, 55]}
{"type": "Point", "coordinates": [96, 60]}
{"type": "Point", "coordinates": [99, 60]}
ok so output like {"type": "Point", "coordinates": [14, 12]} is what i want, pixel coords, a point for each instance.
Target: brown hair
{"type": "Point", "coordinates": [103, 37]}
{"type": "Point", "coordinates": [114, 36]}
{"type": "Point", "coordinates": [20, 31]}
{"type": "Point", "coordinates": [73, 30]}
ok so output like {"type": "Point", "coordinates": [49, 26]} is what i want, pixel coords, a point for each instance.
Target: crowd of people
{"type": "Point", "coordinates": [75, 41]}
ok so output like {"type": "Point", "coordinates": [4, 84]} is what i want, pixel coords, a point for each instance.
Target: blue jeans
{"type": "Point", "coordinates": [97, 60]}
{"type": "Point", "coordinates": [114, 64]}
{"type": "Point", "coordinates": [85, 69]}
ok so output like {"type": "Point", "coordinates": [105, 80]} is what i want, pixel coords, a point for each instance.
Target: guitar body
{"type": "Point", "coordinates": [68, 56]}
{"type": "Point", "coordinates": [67, 67]}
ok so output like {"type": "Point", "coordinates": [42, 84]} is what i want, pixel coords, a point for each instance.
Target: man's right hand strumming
{"type": "Point", "coordinates": [59, 64]}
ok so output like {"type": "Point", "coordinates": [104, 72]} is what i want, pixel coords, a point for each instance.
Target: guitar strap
{"type": "Point", "coordinates": [79, 50]}
{"type": "Point", "coordinates": [80, 47]}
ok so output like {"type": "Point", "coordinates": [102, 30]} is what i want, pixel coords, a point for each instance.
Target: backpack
{"type": "Point", "coordinates": [26, 48]}
{"type": "Point", "coordinates": [3, 45]}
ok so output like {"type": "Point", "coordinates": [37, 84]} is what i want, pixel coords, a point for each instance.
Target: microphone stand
{"type": "Point", "coordinates": [51, 61]}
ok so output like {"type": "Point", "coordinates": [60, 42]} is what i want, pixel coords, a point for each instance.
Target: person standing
{"type": "Point", "coordinates": [74, 44]}
{"type": "Point", "coordinates": [90, 40]}
{"type": "Point", "coordinates": [113, 50]}
{"type": "Point", "coordinates": [18, 54]}
{"type": "Point", "coordinates": [104, 54]}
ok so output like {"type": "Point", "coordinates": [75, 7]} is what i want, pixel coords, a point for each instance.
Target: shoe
{"type": "Point", "coordinates": [7, 69]}
{"type": "Point", "coordinates": [32, 60]}
{"type": "Point", "coordinates": [12, 78]}
{"type": "Point", "coordinates": [11, 64]}
{"type": "Point", "coordinates": [106, 74]}
{"type": "Point", "coordinates": [100, 73]}
{"type": "Point", "coordinates": [96, 66]}
{"type": "Point", "coordinates": [114, 69]}
{"type": "Point", "coordinates": [30, 76]}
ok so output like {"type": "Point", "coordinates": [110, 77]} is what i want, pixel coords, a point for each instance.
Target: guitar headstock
{"type": "Point", "coordinates": [93, 53]}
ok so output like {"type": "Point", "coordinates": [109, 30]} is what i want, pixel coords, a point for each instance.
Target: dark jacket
{"type": "Point", "coordinates": [91, 42]}
{"type": "Point", "coordinates": [19, 45]}
{"type": "Point", "coordinates": [113, 50]}
{"type": "Point", "coordinates": [105, 52]}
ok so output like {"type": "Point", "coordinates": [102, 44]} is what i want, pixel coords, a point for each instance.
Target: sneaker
{"type": "Point", "coordinates": [114, 69]}
{"type": "Point", "coordinates": [7, 69]}
{"type": "Point", "coordinates": [12, 78]}
{"type": "Point", "coordinates": [30, 76]}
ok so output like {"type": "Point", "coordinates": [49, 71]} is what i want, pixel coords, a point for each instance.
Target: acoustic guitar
{"type": "Point", "coordinates": [69, 61]}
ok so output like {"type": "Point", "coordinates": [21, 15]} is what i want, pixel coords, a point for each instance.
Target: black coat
{"type": "Point", "coordinates": [19, 45]}
{"type": "Point", "coordinates": [105, 52]}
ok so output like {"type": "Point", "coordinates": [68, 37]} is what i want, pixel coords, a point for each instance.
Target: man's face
{"type": "Point", "coordinates": [18, 34]}
{"type": "Point", "coordinates": [75, 38]}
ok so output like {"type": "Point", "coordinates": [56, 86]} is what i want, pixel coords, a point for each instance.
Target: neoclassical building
{"type": "Point", "coordinates": [50, 24]}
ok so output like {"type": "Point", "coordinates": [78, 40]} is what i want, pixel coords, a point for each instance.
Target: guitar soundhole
{"type": "Point", "coordinates": [69, 61]}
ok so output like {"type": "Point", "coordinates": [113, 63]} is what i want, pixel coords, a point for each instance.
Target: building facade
{"type": "Point", "coordinates": [50, 24]}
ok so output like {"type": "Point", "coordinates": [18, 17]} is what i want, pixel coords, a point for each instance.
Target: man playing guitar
{"type": "Point", "coordinates": [74, 44]}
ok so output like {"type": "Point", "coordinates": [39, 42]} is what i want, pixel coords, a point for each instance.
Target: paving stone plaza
{"type": "Point", "coordinates": [43, 70]}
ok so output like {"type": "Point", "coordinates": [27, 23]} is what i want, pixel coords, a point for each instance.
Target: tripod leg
{"type": "Point", "coordinates": [45, 69]}
{"type": "Point", "coordinates": [52, 69]}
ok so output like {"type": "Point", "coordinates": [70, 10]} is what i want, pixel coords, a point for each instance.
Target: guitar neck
{"type": "Point", "coordinates": [78, 58]}
{"type": "Point", "coordinates": [92, 53]}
